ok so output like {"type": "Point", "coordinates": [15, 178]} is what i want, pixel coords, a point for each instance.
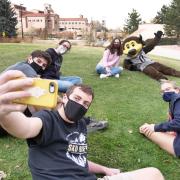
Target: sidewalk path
{"type": "Point", "coordinates": [172, 51]}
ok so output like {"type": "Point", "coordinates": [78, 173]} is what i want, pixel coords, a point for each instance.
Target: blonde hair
{"type": "Point", "coordinates": [173, 83]}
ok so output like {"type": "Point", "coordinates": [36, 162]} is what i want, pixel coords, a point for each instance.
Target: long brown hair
{"type": "Point", "coordinates": [113, 49]}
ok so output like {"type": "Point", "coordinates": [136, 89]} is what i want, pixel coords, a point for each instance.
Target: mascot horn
{"type": "Point", "coordinates": [136, 49]}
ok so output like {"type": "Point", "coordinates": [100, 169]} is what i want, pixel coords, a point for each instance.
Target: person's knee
{"type": "Point", "coordinates": [156, 173]}
{"type": "Point", "coordinates": [100, 69]}
{"type": "Point", "coordinates": [79, 80]}
{"type": "Point", "coordinates": [64, 85]}
{"type": "Point", "coordinates": [120, 69]}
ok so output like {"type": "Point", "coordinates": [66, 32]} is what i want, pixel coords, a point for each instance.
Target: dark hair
{"type": "Point", "coordinates": [42, 54]}
{"type": "Point", "coordinates": [86, 89]}
{"type": "Point", "coordinates": [112, 49]}
{"type": "Point", "coordinates": [62, 41]}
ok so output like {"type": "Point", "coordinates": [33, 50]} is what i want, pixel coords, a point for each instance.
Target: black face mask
{"type": "Point", "coordinates": [37, 67]}
{"type": "Point", "coordinates": [74, 111]}
{"type": "Point", "coordinates": [117, 46]}
{"type": "Point", "coordinates": [167, 96]}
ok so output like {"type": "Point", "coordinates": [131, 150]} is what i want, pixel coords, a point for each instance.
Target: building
{"type": "Point", "coordinates": [36, 21]}
{"type": "Point", "coordinates": [79, 25]}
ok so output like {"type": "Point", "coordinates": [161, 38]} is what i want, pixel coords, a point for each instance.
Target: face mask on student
{"type": "Point", "coordinates": [37, 68]}
{"type": "Point", "coordinates": [61, 50]}
{"type": "Point", "coordinates": [116, 46]}
{"type": "Point", "coordinates": [167, 96]}
{"type": "Point", "coordinates": [74, 111]}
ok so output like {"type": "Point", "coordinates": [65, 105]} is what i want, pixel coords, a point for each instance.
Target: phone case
{"type": "Point", "coordinates": [44, 93]}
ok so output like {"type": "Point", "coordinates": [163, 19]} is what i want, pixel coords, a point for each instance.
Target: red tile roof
{"type": "Point", "coordinates": [73, 19]}
{"type": "Point", "coordinates": [34, 15]}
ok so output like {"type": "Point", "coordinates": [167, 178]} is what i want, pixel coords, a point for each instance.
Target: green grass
{"type": "Point", "coordinates": [126, 103]}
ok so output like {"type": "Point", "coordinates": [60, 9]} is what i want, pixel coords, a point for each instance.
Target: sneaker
{"type": "Point", "coordinates": [116, 76]}
{"type": "Point", "coordinates": [95, 125]}
{"type": "Point", "coordinates": [2, 175]}
{"type": "Point", "coordinates": [103, 76]}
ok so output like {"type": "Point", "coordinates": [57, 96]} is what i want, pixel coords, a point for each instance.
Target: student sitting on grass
{"type": "Point", "coordinates": [53, 71]}
{"type": "Point", "coordinates": [167, 134]}
{"type": "Point", "coordinates": [58, 145]}
{"type": "Point", "coordinates": [33, 67]}
{"type": "Point", "coordinates": [109, 64]}
{"type": "Point", "coordinates": [35, 64]}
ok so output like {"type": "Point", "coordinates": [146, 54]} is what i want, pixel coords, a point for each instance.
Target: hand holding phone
{"type": "Point", "coordinates": [44, 93]}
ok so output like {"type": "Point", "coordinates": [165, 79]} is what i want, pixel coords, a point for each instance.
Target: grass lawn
{"type": "Point", "coordinates": [126, 103]}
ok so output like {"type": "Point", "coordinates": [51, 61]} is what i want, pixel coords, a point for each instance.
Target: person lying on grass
{"type": "Point", "coordinates": [167, 134]}
{"type": "Point", "coordinates": [57, 141]}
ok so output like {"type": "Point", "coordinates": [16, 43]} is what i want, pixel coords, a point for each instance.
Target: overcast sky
{"type": "Point", "coordinates": [114, 12]}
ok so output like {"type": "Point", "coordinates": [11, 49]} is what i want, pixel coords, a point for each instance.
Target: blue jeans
{"type": "Point", "coordinates": [67, 81]}
{"type": "Point", "coordinates": [113, 71]}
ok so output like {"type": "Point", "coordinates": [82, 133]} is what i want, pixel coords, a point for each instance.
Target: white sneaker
{"type": "Point", "coordinates": [103, 76]}
{"type": "Point", "coordinates": [117, 76]}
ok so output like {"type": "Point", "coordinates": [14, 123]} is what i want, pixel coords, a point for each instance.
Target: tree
{"type": "Point", "coordinates": [170, 16]}
{"type": "Point", "coordinates": [160, 17]}
{"type": "Point", "coordinates": [8, 20]}
{"type": "Point", "coordinates": [132, 22]}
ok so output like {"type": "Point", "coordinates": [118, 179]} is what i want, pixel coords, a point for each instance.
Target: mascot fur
{"type": "Point", "coordinates": [136, 49]}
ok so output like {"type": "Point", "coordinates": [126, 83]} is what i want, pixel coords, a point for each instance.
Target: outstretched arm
{"type": "Point", "coordinates": [152, 43]}
{"type": "Point", "coordinates": [18, 125]}
{"type": "Point", "coordinates": [99, 169]}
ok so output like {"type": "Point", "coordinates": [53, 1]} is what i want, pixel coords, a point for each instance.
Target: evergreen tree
{"type": "Point", "coordinates": [8, 20]}
{"type": "Point", "coordinates": [170, 16]}
{"type": "Point", "coordinates": [160, 17]}
{"type": "Point", "coordinates": [132, 22]}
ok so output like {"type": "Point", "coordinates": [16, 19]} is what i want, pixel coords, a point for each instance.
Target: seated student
{"type": "Point", "coordinates": [58, 145]}
{"type": "Point", "coordinates": [167, 134]}
{"type": "Point", "coordinates": [53, 71]}
{"type": "Point", "coordinates": [109, 64]}
{"type": "Point", "coordinates": [35, 64]}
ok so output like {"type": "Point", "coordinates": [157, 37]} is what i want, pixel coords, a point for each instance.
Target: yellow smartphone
{"type": "Point", "coordinates": [44, 93]}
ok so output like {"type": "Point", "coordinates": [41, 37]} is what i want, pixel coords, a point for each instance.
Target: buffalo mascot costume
{"type": "Point", "coordinates": [136, 49]}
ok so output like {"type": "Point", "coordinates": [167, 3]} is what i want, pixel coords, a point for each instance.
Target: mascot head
{"type": "Point", "coordinates": [133, 45]}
